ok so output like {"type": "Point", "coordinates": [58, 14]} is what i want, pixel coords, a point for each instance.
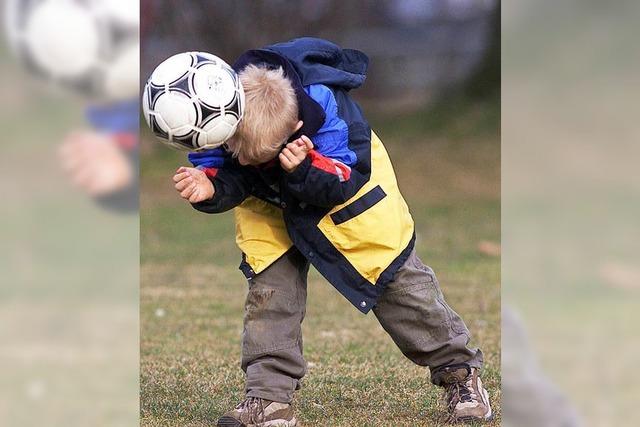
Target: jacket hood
{"type": "Point", "coordinates": [319, 61]}
{"type": "Point", "coordinates": [308, 61]}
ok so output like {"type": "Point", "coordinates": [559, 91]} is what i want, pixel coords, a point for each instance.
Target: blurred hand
{"type": "Point", "coordinates": [193, 185]}
{"type": "Point", "coordinates": [95, 163]}
{"type": "Point", "coordinates": [294, 153]}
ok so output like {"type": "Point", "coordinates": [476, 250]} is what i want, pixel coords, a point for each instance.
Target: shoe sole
{"type": "Point", "coordinates": [474, 419]}
{"type": "Point", "coordinates": [485, 397]}
{"type": "Point", "coordinates": [232, 422]}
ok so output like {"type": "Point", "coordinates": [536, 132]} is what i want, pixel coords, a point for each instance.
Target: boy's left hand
{"type": "Point", "coordinates": [294, 153]}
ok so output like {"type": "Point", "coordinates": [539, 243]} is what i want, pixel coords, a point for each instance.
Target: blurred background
{"type": "Point", "coordinates": [570, 210]}
{"type": "Point", "coordinates": [433, 96]}
{"type": "Point", "coordinates": [69, 250]}
{"type": "Point", "coordinates": [419, 49]}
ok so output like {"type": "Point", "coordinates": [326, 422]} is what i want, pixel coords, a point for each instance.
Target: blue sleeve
{"type": "Point", "coordinates": [117, 117]}
{"type": "Point", "coordinates": [332, 139]}
{"type": "Point", "coordinates": [215, 158]}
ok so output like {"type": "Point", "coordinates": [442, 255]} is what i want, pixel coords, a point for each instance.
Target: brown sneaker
{"type": "Point", "coordinates": [256, 412]}
{"type": "Point", "coordinates": [466, 398]}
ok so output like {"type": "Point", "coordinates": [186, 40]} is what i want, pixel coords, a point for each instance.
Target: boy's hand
{"type": "Point", "coordinates": [193, 185]}
{"type": "Point", "coordinates": [95, 163]}
{"type": "Point", "coordinates": [294, 153]}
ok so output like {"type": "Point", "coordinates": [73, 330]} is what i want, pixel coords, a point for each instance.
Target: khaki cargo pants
{"type": "Point", "coordinates": [412, 310]}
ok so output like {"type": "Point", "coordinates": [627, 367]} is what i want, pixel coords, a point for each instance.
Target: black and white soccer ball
{"type": "Point", "coordinates": [91, 46]}
{"type": "Point", "coordinates": [193, 101]}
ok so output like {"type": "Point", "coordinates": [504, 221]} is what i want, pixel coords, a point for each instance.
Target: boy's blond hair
{"type": "Point", "coordinates": [270, 114]}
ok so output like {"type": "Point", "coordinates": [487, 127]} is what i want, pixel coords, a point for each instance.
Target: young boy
{"type": "Point", "coordinates": [311, 183]}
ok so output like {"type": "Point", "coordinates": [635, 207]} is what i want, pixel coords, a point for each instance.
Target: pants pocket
{"type": "Point", "coordinates": [415, 318]}
{"type": "Point", "coordinates": [414, 312]}
{"type": "Point", "coordinates": [420, 271]}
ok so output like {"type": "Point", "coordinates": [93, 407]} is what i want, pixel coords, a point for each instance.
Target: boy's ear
{"type": "Point", "coordinates": [296, 130]}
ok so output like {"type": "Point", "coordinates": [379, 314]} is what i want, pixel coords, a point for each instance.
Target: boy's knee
{"type": "Point", "coordinates": [271, 321]}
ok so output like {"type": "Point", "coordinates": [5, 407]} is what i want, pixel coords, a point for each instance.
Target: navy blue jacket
{"type": "Point", "coordinates": [322, 74]}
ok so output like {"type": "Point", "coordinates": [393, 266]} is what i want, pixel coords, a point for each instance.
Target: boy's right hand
{"type": "Point", "coordinates": [294, 153]}
{"type": "Point", "coordinates": [193, 185]}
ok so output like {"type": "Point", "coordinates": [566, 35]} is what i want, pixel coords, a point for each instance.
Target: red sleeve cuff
{"type": "Point", "coordinates": [329, 165]}
{"type": "Point", "coordinates": [126, 141]}
{"type": "Point", "coordinates": [210, 172]}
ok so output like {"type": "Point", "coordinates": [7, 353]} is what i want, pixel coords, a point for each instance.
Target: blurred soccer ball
{"type": "Point", "coordinates": [193, 101]}
{"type": "Point", "coordinates": [88, 45]}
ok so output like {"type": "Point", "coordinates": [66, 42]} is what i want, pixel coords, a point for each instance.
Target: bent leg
{"type": "Point", "coordinates": [414, 313]}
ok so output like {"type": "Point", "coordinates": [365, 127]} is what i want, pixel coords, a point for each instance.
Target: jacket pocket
{"type": "Point", "coordinates": [367, 201]}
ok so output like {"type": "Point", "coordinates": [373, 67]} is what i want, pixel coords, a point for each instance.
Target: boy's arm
{"type": "Point", "coordinates": [340, 163]}
{"type": "Point", "coordinates": [230, 181]}
{"type": "Point", "coordinates": [230, 189]}
{"type": "Point", "coordinates": [323, 181]}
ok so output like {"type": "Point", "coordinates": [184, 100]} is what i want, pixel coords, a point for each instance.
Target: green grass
{"type": "Point", "coordinates": [192, 296]}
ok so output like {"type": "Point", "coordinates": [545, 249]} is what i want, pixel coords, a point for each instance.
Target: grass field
{"type": "Point", "coordinates": [192, 294]}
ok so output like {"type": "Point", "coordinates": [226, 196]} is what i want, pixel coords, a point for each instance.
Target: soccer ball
{"type": "Point", "coordinates": [87, 45]}
{"type": "Point", "coordinates": [193, 101]}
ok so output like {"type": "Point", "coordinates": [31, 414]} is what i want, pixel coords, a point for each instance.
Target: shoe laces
{"type": "Point", "coordinates": [254, 407]}
{"type": "Point", "coordinates": [462, 391]}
